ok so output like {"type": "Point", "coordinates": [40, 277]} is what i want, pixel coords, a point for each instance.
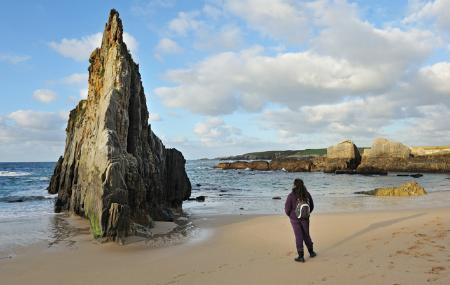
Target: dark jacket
{"type": "Point", "coordinates": [291, 204]}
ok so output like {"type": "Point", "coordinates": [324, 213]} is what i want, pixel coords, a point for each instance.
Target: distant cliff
{"type": "Point", "coordinates": [115, 171]}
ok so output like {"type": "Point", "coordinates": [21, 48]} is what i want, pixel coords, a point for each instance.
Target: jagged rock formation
{"type": "Point", "coordinates": [407, 189]}
{"type": "Point", "coordinates": [115, 171]}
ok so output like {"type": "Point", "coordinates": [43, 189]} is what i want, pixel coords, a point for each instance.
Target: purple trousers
{"type": "Point", "coordinates": [301, 232]}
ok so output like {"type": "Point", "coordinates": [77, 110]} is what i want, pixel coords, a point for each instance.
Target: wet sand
{"type": "Point", "coordinates": [395, 247]}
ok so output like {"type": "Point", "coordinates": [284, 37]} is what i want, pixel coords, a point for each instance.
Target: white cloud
{"type": "Point", "coordinates": [431, 128]}
{"type": "Point", "coordinates": [215, 131]}
{"type": "Point", "coordinates": [150, 7]}
{"type": "Point", "coordinates": [76, 79]}
{"type": "Point", "coordinates": [154, 117]}
{"type": "Point", "coordinates": [437, 77]}
{"type": "Point", "coordinates": [224, 82]}
{"type": "Point", "coordinates": [78, 49]}
{"type": "Point", "coordinates": [184, 23]}
{"type": "Point", "coordinates": [437, 11]}
{"type": "Point", "coordinates": [79, 80]}
{"type": "Point", "coordinates": [349, 79]}
{"type": "Point", "coordinates": [212, 11]}
{"type": "Point", "coordinates": [81, 48]}
{"type": "Point", "coordinates": [36, 120]}
{"type": "Point", "coordinates": [343, 34]}
{"type": "Point", "coordinates": [84, 93]}
{"type": "Point", "coordinates": [44, 95]}
{"type": "Point", "coordinates": [227, 37]}
{"type": "Point", "coordinates": [282, 20]}
{"type": "Point", "coordinates": [132, 43]}
{"type": "Point", "coordinates": [167, 46]}
{"type": "Point", "coordinates": [358, 117]}
{"type": "Point", "coordinates": [27, 135]}
{"type": "Point", "coordinates": [14, 59]}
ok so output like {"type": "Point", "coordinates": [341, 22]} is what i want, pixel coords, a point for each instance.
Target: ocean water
{"type": "Point", "coordinates": [26, 209]}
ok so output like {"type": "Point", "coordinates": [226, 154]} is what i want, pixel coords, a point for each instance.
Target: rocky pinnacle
{"type": "Point", "coordinates": [115, 171]}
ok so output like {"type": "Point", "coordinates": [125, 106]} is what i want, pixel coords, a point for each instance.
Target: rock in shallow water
{"type": "Point", "coordinates": [408, 189]}
{"type": "Point", "coordinates": [115, 171]}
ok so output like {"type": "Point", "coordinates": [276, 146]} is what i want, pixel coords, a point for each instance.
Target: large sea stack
{"type": "Point", "coordinates": [115, 171]}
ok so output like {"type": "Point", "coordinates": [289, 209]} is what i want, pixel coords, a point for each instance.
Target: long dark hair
{"type": "Point", "coordinates": [300, 190]}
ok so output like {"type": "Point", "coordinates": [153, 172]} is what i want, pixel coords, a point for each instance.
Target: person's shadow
{"type": "Point", "coordinates": [372, 227]}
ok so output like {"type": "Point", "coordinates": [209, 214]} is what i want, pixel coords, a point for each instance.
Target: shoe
{"type": "Point", "coordinates": [300, 259]}
{"type": "Point", "coordinates": [311, 252]}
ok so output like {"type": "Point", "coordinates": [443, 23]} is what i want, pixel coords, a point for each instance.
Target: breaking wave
{"type": "Point", "coordinates": [13, 173]}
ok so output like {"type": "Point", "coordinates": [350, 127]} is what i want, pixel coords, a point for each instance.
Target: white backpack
{"type": "Point", "coordinates": [302, 211]}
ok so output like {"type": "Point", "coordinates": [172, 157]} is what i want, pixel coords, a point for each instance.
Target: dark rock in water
{"type": "Point", "coordinates": [345, 171]}
{"type": "Point", "coordinates": [198, 199]}
{"type": "Point", "coordinates": [242, 208]}
{"type": "Point", "coordinates": [276, 198]}
{"type": "Point", "coordinates": [417, 175]}
{"type": "Point", "coordinates": [115, 171]}
{"type": "Point", "coordinates": [198, 185]}
{"type": "Point", "coordinates": [370, 170]}
{"type": "Point", "coordinates": [223, 191]}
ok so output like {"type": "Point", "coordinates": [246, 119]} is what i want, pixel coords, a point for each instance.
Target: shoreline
{"type": "Point", "coordinates": [66, 227]}
{"type": "Point", "coordinates": [373, 247]}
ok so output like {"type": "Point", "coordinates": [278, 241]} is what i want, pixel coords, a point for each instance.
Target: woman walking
{"type": "Point", "coordinates": [299, 204]}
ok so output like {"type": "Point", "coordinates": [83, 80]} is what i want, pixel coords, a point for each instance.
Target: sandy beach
{"type": "Point", "coordinates": [397, 247]}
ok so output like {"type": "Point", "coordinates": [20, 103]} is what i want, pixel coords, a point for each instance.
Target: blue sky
{"type": "Point", "coordinates": [227, 77]}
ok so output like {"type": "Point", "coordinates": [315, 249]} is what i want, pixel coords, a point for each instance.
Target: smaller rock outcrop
{"type": "Point", "coordinates": [384, 148]}
{"type": "Point", "coordinates": [343, 156]}
{"type": "Point", "coordinates": [344, 150]}
{"type": "Point", "coordinates": [393, 156]}
{"type": "Point", "coordinates": [407, 189]}
{"type": "Point", "coordinates": [291, 165]}
{"type": "Point", "coordinates": [370, 170]}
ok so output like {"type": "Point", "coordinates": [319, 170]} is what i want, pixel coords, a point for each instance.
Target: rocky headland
{"type": "Point", "coordinates": [115, 171]}
{"type": "Point", "coordinates": [346, 158]}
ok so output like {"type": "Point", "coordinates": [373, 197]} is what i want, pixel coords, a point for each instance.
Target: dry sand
{"type": "Point", "coordinates": [401, 247]}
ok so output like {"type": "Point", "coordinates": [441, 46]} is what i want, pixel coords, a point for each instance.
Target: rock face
{"type": "Point", "coordinates": [291, 165]}
{"type": "Point", "coordinates": [383, 148]}
{"type": "Point", "coordinates": [115, 171]}
{"type": "Point", "coordinates": [393, 156]}
{"type": "Point", "coordinates": [344, 150]}
{"type": "Point", "coordinates": [343, 156]}
{"type": "Point", "coordinates": [408, 189]}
